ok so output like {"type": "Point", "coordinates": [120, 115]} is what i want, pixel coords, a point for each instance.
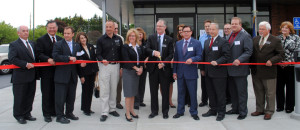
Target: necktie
{"type": "Point", "coordinates": [159, 44]}
{"type": "Point", "coordinates": [211, 42]}
{"type": "Point", "coordinates": [231, 39]}
{"type": "Point", "coordinates": [261, 44]}
{"type": "Point", "coordinates": [70, 46]}
{"type": "Point", "coordinates": [184, 47]}
{"type": "Point", "coordinates": [53, 40]}
{"type": "Point", "coordinates": [29, 49]}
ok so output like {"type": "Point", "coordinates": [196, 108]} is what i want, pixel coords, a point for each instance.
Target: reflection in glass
{"type": "Point", "coordinates": [146, 22]}
{"type": "Point", "coordinates": [217, 18]}
{"type": "Point", "coordinates": [169, 30]}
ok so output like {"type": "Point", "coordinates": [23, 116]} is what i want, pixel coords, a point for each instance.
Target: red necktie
{"type": "Point", "coordinates": [53, 40]}
{"type": "Point", "coordinates": [211, 42]}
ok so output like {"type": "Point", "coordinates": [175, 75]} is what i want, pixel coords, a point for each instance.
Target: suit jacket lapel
{"type": "Point", "coordinates": [25, 48]}
{"type": "Point", "coordinates": [74, 46]}
{"type": "Point", "coordinates": [67, 46]}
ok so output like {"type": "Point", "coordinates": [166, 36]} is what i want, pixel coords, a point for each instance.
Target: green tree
{"type": "Point", "coordinates": [7, 33]}
{"type": "Point", "coordinates": [38, 32]}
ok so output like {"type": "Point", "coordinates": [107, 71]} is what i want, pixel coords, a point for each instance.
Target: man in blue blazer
{"type": "Point", "coordinates": [188, 50]}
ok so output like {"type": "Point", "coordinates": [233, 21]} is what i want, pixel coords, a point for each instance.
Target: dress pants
{"type": "Point", "coordinates": [159, 76]}
{"type": "Point", "coordinates": [119, 90]}
{"type": "Point", "coordinates": [48, 98]}
{"type": "Point", "coordinates": [108, 80]}
{"type": "Point", "coordinates": [87, 92]}
{"type": "Point", "coordinates": [204, 97]}
{"type": "Point", "coordinates": [190, 86]}
{"type": "Point", "coordinates": [285, 79]}
{"type": "Point", "coordinates": [23, 99]}
{"type": "Point", "coordinates": [65, 93]}
{"type": "Point", "coordinates": [216, 91]}
{"type": "Point", "coordinates": [238, 86]}
{"type": "Point", "coordinates": [264, 90]}
{"type": "Point", "coordinates": [139, 98]}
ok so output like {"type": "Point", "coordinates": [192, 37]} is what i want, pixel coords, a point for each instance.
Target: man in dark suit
{"type": "Point", "coordinates": [65, 76]}
{"type": "Point", "coordinates": [21, 54]}
{"type": "Point", "coordinates": [188, 50]}
{"type": "Point", "coordinates": [216, 51]}
{"type": "Point", "coordinates": [159, 47]}
{"type": "Point", "coordinates": [241, 50]}
{"type": "Point", "coordinates": [267, 49]}
{"type": "Point", "coordinates": [44, 47]}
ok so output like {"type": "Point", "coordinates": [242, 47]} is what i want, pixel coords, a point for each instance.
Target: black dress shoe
{"type": "Point", "coordinates": [21, 121]}
{"type": "Point", "coordinates": [87, 113]}
{"type": "Point", "coordinates": [119, 106]}
{"type": "Point", "coordinates": [134, 116]}
{"type": "Point", "coordinates": [230, 112]}
{"type": "Point", "coordinates": [72, 117]}
{"type": "Point", "coordinates": [47, 119]}
{"type": "Point", "coordinates": [165, 116]}
{"type": "Point", "coordinates": [279, 109]}
{"type": "Point", "coordinates": [196, 117]}
{"type": "Point", "coordinates": [103, 118]}
{"type": "Point", "coordinates": [288, 111]}
{"type": "Point", "coordinates": [202, 104]}
{"type": "Point", "coordinates": [30, 118]}
{"type": "Point", "coordinates": [177, 115]}
{"type": "Point", "coordinates": [220, 117]}
{"type": "Point", "coordinates": [63, 120]}
{"type": "Point", "coordinates": [228, 102]}
{"type": "Point", "coordinates": [142, 104]}
{"type": "Point", "coordinates": [136, 107]}
{"type": "Point", "coordinates": [209, 113]}
{"type": "Point", "coordinates": [128, 119]}
{"type": "Point", "coordinates": [173, 106]}
{"type": "Point", "coordinates": [152, 115]}
{"type": "Point", "coordinates": [114, 113]}
{"type": "Point", "coordinates": [241, 117]}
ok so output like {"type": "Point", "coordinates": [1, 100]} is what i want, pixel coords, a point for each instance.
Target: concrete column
{"type": "Point", "coordinates": [103, 16]}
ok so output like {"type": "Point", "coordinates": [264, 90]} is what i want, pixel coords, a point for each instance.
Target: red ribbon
{"type": "Point", "coordinates": [42, 64]}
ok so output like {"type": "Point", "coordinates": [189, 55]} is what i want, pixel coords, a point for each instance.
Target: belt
{"type": "Point", "coordinates": [113, 63]}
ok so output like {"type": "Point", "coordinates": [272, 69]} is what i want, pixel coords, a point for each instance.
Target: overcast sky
{"type": "Point", "coordinates": [17, 12]}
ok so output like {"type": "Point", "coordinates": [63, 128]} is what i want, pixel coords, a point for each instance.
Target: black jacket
{"type": "Point", "coordinates": [129, 54]}
{"type": "Point", "coordinates": [90, 68]}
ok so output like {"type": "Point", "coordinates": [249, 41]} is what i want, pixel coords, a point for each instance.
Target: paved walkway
{"type": "Point", "coordinates": [280, 120]}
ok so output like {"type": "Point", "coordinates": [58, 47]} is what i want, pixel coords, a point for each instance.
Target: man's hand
{"type": "Point", "coordinates": [29, 66]}
{"type": "Point", "coordinates": [236, 62]}
{"type": "Point", "coordinates": [202, 72]}
{"type": "Point", "coordinates": [82, 80]}
{"type": "Point", "coordinates": [83, 64]}
{"type": "Point", "coordinates": [105, 62]}
{"type": "Point", "coordinates": [175, 76]}
{"type": "Point", "coordinates": [282, 66]}
{"type": "Point", "coordinates": [156, 53]}
{"type": "Point", "coordinates": [189, 61]}
{"type": "Point", "coordinates": [51, 61]}
{"type": "Point", "coordinates": [214, 63]}
{"type": "Point", "coordinates": [269, 63]}
{"type": "Point", "coordinates": [72, 58]}
{"type": "Point", "coordinates": [160, 65]}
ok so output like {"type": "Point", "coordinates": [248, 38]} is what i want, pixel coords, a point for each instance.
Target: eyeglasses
{"type": "Point", "coordinates": [227, 28]}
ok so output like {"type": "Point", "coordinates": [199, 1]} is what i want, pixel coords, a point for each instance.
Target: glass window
{"type": "Point", "coordinates": [246, 22]}
{"type": "Point", "coordinates": [169, 29]}
{"type": "Point", "coordinates": [262, 18]}
{"type": "Point", "coordinates": [228, 18]}
{"type": "Point", "coordinates": [210, 8]}
{"type": "Point", "coordinates": [217, 18]}
{"type": "Point", "coordinates": [175, 8]}
{"type": "Point", "coordinates": [144, 9]}
{"type": "Point", "coordinates": [243, 9]}
{"type": "Point", "coordinates": [263, 13]}
{"type": "Point", "coordinates": [229, 8]}
{"type": "Point", "coordinates": [146, 22]}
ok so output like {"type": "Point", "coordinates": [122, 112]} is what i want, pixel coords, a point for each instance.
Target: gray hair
{"type": "Point", "coordinates": [217, 25]}
{"type": "Point", "coordinates": [19, 28]}
{"type": "Point", "coordinates": [266, 24]}
{"type": "Point", "coordinates": [161, 20]}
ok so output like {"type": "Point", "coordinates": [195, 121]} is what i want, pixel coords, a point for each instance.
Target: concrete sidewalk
{"type": "Point", "coordinates": [280, 120]}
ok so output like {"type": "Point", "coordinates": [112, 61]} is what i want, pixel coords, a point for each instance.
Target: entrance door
{"type": "Point", "coordinates": [175, 19]}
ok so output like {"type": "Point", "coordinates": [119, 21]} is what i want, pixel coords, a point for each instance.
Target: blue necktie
{"type": "Point", "coordinates": [160, 47]}
{"type": "Point", "coordinates": [70, 46]}
{"type": "Point", "coordinates": [184, 47]}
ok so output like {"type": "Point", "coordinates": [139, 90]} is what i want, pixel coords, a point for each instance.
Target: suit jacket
{"type": "Point", "coordinates": [90, 68]}
{"type": "Point", "coordinates": [194, 52]}
{"type": "Point", "coordinates": [167, 51]}
{"type": "Point", "coordinates": [240, 49]}
{"type": "Point", "coordinates": [44, 48]}
{"type": "Point", "coordinates": [272, 50]}
{"type": "Point", "coordinates": [61, 53]}
{"type": "Point", "coordinates": [129, 54]}
{"type": "Point", "coordinates": [20, 56]}
{"type": "Point", "coordinates": [219, 52]}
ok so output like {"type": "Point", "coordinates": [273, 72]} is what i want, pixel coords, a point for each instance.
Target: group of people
{"type": "Point", "coordinates": [220, 85]}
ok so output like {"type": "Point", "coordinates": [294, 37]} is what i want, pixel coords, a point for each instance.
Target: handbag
{"type": "Point", "coordinates": [97, 87]}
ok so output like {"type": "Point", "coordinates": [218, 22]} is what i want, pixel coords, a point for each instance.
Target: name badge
{"type": "Point", "coordinates": [215, 48]}
{"type": "Point", "coordinates": [237, 43]}
{"type": "Point", "coordinates": [164, 45]}
{"type": "Point", "coordinates": [190, 49]}
{"type": "Point", "coordinates": [80, 53]}
{"type": "Point", "coordinates": [267, 42]}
